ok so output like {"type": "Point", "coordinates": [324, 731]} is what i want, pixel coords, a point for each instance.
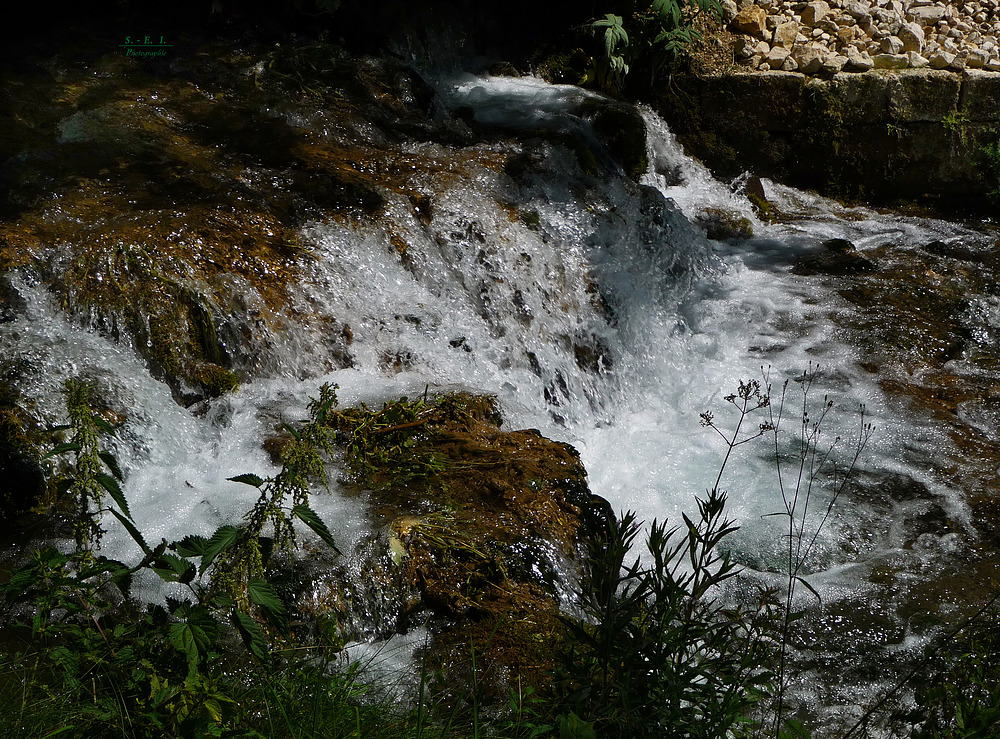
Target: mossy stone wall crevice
{"type": "Point", "coordinates": [879, 137]}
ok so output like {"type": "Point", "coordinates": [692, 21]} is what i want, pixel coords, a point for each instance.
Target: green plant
{"type": "Point", "coordinates": [801, 472]}
{"type": "Point", "coordinates": [108, 663]}
{"type": "Point", "coordinates": [656, 651]}
{"type": "Point", "coordinates": [646, 33]}
{"type": "Point", "coordinates": [956, 121]}
{"type": "Point", "coordinates": [88, 481]}
{"type": "Point", "coordinates": [989, 166]}
{"type": "Point", "coordinates": [239, 554]}
{"type": "Point", "coordinates": [610, 70]}
{"type": "Point", "coordinates": [959, 699]}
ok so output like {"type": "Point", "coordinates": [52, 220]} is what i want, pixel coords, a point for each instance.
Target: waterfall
{"type": "Point", "coordinates": [595, 309]}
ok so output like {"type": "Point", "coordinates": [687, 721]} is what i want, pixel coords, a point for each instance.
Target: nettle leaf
{"type": "Point", "coordinates": [171, 568]}
{"type": "Point", "coordinates": [109, 459]}
{"type": "Point", "coordinates": [132, 530]}
{"type": "Point", "coordinates": [223, 538]}
{"type": "Point", "coordinates": [104, 426]}
{"type": "Point", "coordinates": [262, 593]}
{"type": "Point", "coordinates": [194, 636]}
{"type": "Point", "coordinates": [251, 634]}
{"type": "Point", "coordinates": [808, 587]}
{"type": "Point", "coordinates": [111, 485]}
{"type": "Point", "coordinates": [62, 449]}
{"type": "Point", "coordinates": [311, 519]}
{"type": "Point", "coordinates": [191, 546]}
{"type": "Point", "coordinates": [248, 479]}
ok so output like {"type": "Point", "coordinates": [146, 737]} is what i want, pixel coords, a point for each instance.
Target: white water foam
{"type": "Point", "coordinates": [593, 309]}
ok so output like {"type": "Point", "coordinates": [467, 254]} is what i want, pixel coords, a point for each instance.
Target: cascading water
{"type": "Point", "coordinates": [596, 312]}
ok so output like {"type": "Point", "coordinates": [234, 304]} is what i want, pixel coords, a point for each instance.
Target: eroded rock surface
{"type": "Point", "coordinates": [481, 531]}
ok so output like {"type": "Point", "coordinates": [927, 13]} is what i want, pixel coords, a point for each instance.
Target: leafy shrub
{"type": "Point", "coordinates": [647, 34]}
{"type": "Point", "coordinates": [97, 660]}
{"type": "Point", "coordinates": [657, 652]}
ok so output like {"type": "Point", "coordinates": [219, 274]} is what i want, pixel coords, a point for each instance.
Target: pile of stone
{"type": "Point", "coordinates": [823, 37]}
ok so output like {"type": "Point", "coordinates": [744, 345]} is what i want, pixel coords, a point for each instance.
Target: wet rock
{"type": "Point", "coordinates": [623, 131]}
{"type": "Point", "coordinates": [720, 225]}
{"type": "Point", "coordinates": [835, 257]}
{"type": "Point", "coordinates": [480, 525]}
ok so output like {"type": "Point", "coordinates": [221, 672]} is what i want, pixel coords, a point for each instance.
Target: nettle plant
{"type": "Point", "coordinates": [105, 659]}
{"type": "Point", "coordinates": [650, 34]}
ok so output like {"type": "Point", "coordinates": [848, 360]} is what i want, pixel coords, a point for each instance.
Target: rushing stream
{"type": "Point", "coordinates": [600, 314]}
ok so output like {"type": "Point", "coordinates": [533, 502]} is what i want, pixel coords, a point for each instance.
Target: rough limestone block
{"type": "Point", "coordinates": [809, 58]}
{"type": "Point", "coordinates": [891, 61]}
{"type": "Point", "coordinates": [776, 57]}
{"type": "Point", "coordinates": [833, 64]}
{"type": "Point", "coordinates": [815, 11]}
{"type": "Point", "coordinates": [861, 98]}
{"type": "Point", "coordinates": [980, 97]}
{"type": "Point", "coordinates": [857, 10]}
{"type": "Point", "coordinates": [941, 59]}
{"type": "Point", "coordinates": [859, 61]}
{"type": "Point", "coordinates": [891, 45]}
{"type": "Point", "coordinates": [789, 65]}
{"type": "Point", "coordinates": [977, 59]}
{"type": "Point", "coordinates": [912, 36]}
{"type": "Point", "coordinates": [752, 20]}
{"type": "Point", "coordinates": [923, 95]}
{"type": "Point", "coordinates": [916, 61]}
{"type": "Point", "coordinates": [927, 15]}
{"type": "Point", "coordinates": [785, 34]}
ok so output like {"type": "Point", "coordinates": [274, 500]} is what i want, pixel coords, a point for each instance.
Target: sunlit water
{"type": "Point", "coordinates": [594, 310]}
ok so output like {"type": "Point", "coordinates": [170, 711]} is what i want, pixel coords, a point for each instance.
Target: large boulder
{"type": "Point", "coordinates": [481, 530]}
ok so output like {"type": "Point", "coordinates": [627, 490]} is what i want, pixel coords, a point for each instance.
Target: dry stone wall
{"type": "Point", "coordinates": [881, 136]}
{"type": "Point", "coordinates": [824, 37]}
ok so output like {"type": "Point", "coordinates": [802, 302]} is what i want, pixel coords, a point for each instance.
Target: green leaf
{"type": "Point", "coordinates": [262, 593]}
{"type": "Point", "coordinates": [248, 479]}
{"type": "Point", "coordinates": [104, 426]}
{"type": "Point", "coordinates": [109, 459]}
{"type": "Point", "coordinates": [191, 546]}
{"type": "Point", "coordinates": [173, 569]}
{"type": "Point", "coordinates": [808, 587]}
{"type": "Point", "coordinates": [194, 635]}
{"type": "Point", "coordinates": [311, 519]}
{"type": "Point", "coordinates": [62, 449]}
{"type": "Point", "coordinates": [111, 485]}
{"type": "Point", "coordinates": [223, 538]}
{"type": "Point", "coordinates": [251, 634]}
{"type": "Point", "coordinates": [132, 530]}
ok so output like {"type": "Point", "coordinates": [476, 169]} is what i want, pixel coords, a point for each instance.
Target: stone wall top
{"type": "Point", "coordinates": [824, 37]}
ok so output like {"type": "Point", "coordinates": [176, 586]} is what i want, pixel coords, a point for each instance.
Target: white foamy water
{"type": "Point", "coordinates": [593, 309]}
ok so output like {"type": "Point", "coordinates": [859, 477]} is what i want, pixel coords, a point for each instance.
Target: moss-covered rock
{"type": "Point", "coordinates": [166, 209]}
{"type": "Point", "coordinates": [481, 529]}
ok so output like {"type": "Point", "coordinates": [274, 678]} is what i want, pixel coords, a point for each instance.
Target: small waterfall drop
{"type": "Point", "coordinates": [592, 306]}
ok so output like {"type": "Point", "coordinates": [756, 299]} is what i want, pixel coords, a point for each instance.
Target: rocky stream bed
{"type": "Point", "coordinates": [238, 221]}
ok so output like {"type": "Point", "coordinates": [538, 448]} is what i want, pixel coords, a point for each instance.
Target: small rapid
{"type": "Point", "coordinates": [598, 312]}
